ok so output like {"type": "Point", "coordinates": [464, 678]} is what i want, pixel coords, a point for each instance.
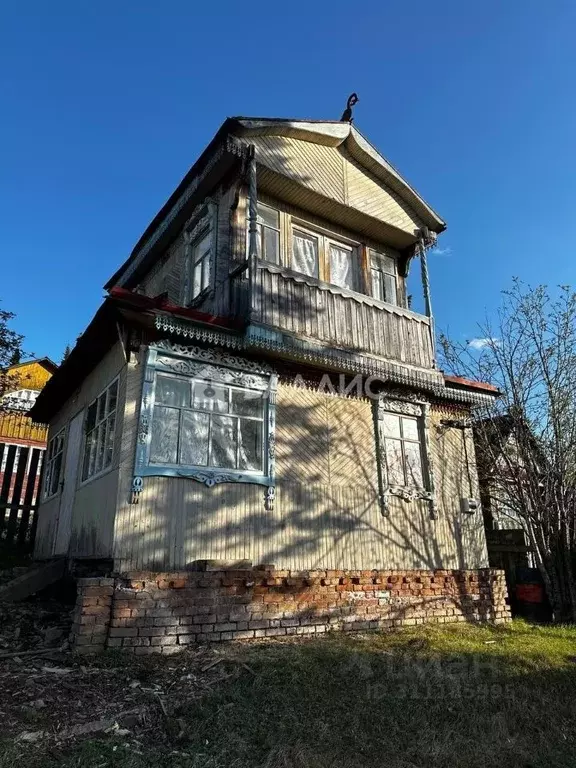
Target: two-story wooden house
{"type": "Point", "coordinates": [256, 389]}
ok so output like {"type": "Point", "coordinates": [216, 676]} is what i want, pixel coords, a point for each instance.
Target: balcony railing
{"type": "Point", "coordinates": [310, 309]}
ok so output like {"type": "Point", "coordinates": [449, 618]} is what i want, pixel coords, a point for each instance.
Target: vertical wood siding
{"type": "Point", "coordinates": [330, 172]}
{"type": "Point", "coordinates": [94, 506]}
{"type": "Point", "coordinates": [326, 513]}
{"type": "Point", "coordinates": [290, 304]}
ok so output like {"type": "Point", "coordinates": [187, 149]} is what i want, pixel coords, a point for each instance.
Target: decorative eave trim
{"type": "Point", "coordinates": [259, 338]}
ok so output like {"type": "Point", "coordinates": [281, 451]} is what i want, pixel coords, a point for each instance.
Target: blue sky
{"type": "Point", "coordinates": [106, 105]}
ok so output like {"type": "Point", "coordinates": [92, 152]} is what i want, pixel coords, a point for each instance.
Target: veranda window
{"type": "Point", "coordinates": [383, 270]}
{"type": "Point", "coordinates": [100, 428]}
{"type": "Point", "coordinates": [54, 453]}
{"type": "Point", "coordinates": [268, 234]}
{"type": "Point", "coordinates": [207, 424]}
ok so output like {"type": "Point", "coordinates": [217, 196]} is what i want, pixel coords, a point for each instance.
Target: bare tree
{"type": "Point", "coordinates": [10, 349]}
{"type": "Point", "coordinates": [527, 438]}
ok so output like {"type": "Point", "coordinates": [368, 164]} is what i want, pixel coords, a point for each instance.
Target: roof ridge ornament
{"type": "Point", "coordinates": [347, 114]}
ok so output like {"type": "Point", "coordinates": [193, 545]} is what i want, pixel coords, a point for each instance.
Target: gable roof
{"type": "Point", "coordinates": [45, 362]}
{"type": "Point", "coordinates": [331, 133]}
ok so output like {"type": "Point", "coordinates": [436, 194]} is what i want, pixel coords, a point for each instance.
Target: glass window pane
{"type": "Point", "coordinates": [55, 478]}
{"type": "Point", "coordinates": [223, 442]}
{"type": "Point", "coordinates": [383, 262]}
{"type": "Point", "coordinates": [91, 417]}
{"type": "Point", "coordinates": [164, 441]}
{"type": "Point", "coordinates": [305, 254]}
{"type": "Point", "coordinates": [172, 391]}
{"type": "Point", "coordinates": [247, 402]}
{"type": "Point", "coordinates": [110, 440]}
{"type": "Point", "coordinates": [394, 461]}
{"type": "Point", "coordinates": [391, 425]}
{"type": "Point", "coordinates": [210, 397]}
{"type": "Point", "coordinates": [112, 397]}
{"type": "Point", "coordinates": [249, 444]}
{"type": "Point", "coordinates": [377, 287]}
{"type": "Point", "coordinates": [410, 429]}
{"type": "Point", "coordinates": [268, 216]}
{"type": "Point", "coordinates": [201, 247]}
{"type": "Point", "coordinates": [342, 267]}
{"type": "Point", "coordinates": [101, 407]}
{"type": "Point", "coordinates": [197, 280]}
{"type": "Point", "coordinates": [194, 438]}
{"type": "Point", "coordinates": [206, 272]}
{"type": "Point", "coordinates": [100, 441]}
{"type": "Point", "coordinates": [390, 289]}
{"type": "Point", "coordinates": [271, 241]}
{"type": "Point", "coordinates": [413, 464]}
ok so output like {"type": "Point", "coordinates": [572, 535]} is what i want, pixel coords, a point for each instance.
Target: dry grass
{"type": "Point", "coordinates": [458, 696]}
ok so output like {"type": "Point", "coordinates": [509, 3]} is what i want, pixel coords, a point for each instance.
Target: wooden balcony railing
{"type": "Point", "coordinates": [308, 308]}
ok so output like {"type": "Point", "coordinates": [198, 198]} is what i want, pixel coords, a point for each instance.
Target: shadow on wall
{"type": "Point", "coordinates": [326, 513]}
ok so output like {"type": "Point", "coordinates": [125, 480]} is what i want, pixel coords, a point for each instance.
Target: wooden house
{"type": "Point", "coordinates": [255, 388]}
{"type": "Point", "coordinates": [22, 446]}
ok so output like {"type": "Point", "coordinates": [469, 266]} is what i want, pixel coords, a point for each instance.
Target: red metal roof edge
{"type": "Point", "coordinates": [161, 303]}
{"type": "Point", "coordinates": [460, 381]}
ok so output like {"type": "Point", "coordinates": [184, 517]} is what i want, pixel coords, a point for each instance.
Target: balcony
{"type": "Point", "coordinates": [312, 310]}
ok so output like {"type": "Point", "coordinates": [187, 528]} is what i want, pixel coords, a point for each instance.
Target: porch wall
{"type": "Point", "coordinates": [326, 513]}
{"type": "Point", "coordinates": [94, 505]}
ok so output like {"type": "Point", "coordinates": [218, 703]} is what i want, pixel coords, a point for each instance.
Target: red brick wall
{"type": "Point", "coordinates": [151, 613]}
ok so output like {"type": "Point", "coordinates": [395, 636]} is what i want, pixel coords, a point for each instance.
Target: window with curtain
{"type": "Point", "coordinates": [52, 471]}
{"type": "Point", "coordinates": [383, 269]}
{"type": "Point", "coordinates": [403, 450]}
{"type": "Point", "coordinates": [200, 265]}
{"type": "Point", "coordinates": [305, 253]}
{"type": "Point", "coordinates": [205, 423]}
{"type": "Point", "coordinates": [343, 266]}
{"type": "Point", "coordinates": [268, 233]}
{"type": "Point", "coordinates": [100, 428]}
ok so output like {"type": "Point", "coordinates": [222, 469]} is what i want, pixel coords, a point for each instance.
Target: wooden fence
{"type": "Point", "coordinates": [20, 467]}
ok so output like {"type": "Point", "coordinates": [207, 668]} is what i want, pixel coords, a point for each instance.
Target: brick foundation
{"type": "Point", "coordinates": [152, 613]}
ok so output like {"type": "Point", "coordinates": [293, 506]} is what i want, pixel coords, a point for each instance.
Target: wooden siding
{"type": "Point", "coordinates": [17, 427]}
{"type": "Point", "coordinates": [326, 513]}
{"type": "Point", "coordinates": [292, 303]}
{"type": "Point", "coordinates": [333, 174]}
{"type": "Point", "coordinates": [94, 506]}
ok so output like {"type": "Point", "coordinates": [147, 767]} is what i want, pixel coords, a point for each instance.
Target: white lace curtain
{"type": "Point", "coordinates": [305, 254]}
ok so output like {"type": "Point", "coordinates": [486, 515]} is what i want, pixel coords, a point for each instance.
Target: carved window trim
{"type": "Point", "coordinates": [218, 366]}
{"type": "Point", "coordinates": [420, 409]}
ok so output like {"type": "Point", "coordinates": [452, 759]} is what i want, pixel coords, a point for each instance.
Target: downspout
{"type": "Point", "coordinates": [424, 244]}
{"type": "Point", "coordinates": [252, 230]}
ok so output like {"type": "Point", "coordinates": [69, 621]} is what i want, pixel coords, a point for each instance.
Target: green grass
{"type": "Point", "coordinates": [458, 696]}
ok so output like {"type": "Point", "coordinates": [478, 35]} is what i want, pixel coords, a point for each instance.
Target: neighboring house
{"type": "Point", "coordinates": [255, 389]}
{"type": "Point", "coordinates": [22, 445]}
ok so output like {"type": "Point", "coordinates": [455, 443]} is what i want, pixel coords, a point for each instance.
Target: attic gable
{"type": "Point", "coordinates": [335, 161]}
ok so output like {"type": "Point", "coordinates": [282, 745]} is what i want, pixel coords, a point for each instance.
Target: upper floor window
{"type": "Point", "coordinates": [21, 400]}
{"type": "Point", "coordinates": [100, 428]}
{"type": "Point", "coordinates": [200, 265]}
{"type": "Point", "coordinates": [383, 269]}
{"type": "Point", "coordinates": [268, 233]}
{"type": "Point", "coordinates": [54, 454]}
{"type": "Point", "coordinates": [322, 256]}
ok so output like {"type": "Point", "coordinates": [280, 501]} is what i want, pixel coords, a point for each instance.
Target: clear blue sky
{"type": "Point", "coordinates": [106, 105]}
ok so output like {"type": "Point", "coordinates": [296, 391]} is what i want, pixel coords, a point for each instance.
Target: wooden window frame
{"type": "Point", "coordinates": [50, 463]}
{"type": "Point", "coordinates": [325, 239]}
{"type": "Point", "coordinates": [373, 253]}
{"type": "Point", "coordinates": [109, 417]}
